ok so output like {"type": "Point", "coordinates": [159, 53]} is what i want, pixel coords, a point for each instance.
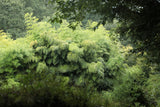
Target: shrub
{"type": "Point", "coordinates": [58, 65]}
{"type": "Point", "coordinates": [16, 57]}
{"type": "Point", "coordinates": [84, 55]}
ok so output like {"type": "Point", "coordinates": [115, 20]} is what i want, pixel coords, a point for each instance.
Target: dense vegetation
{"type": "Point", "coordinates": [74, 64]}
{"type": "Point", "coordinates": [139, 19]}
{"type": "Point", "coordinates": [13, 11]}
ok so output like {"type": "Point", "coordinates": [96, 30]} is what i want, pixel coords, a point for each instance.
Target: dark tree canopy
{"type": "Point", "coordinates": [140, 18]}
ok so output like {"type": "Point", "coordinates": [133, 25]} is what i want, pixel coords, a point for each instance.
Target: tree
{"type": "Point", "coordinates": [39, 8]}
{"type": "Point", "coordinates": [140, 18]}
{"type": "Point", "coordinates": [12, 17]}
{"type": "Point", "coordinates": [13, 11]}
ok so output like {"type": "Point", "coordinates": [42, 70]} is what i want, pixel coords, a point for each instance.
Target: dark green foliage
{"type": "Point", "coordinates": [13, 11]}
{"type": "Point", "coordinates": [12, 17]}
{"type": "Point", "coordinates": [131, 91]}
{"type": "Point", "coordinates": [48, 90]}
{"type": "Point", "coordinates": [39, 8]}
{"type": "Point", "coordinates": [152, 89]}
{"type": "Point", "coordinates": [140, 19]}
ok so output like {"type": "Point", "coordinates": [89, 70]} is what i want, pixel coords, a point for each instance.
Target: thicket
{"type": "Point", "coordinates": [55, 65]}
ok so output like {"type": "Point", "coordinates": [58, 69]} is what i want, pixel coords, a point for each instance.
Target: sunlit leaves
{"type": "Point", "coordinates": [42, 67]}
{"type": "Point", "coordinates": [15, 56]}
{"type": "Point", "coordinates": [73, 53]}
{"type": "Point", "coordinates": [76, 53]}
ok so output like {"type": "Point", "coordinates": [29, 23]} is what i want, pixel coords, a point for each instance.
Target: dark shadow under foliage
{"type": "Point", "coordinates": [42, 90]}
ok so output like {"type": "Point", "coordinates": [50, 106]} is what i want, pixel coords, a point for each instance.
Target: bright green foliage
{"type": "Point", "coordinates": [41, 67]}
{"type": "Point", "coordinates": [57, 65]}
{"type": "Point", "coordinates": [86, 57]}
{"type": "Point", "coordinates": [83, 55]}
{"type": "Point", "coordinates": [15, 57]}
{"type": "Point", "coordinates": [11, 84]}
{"type": "Point", "coordinates": [4, 40]}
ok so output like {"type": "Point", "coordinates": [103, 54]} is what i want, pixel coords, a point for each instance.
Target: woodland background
{"type": "Point", "coordinates": [80, 53]}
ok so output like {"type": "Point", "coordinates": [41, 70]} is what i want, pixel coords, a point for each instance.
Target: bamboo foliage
{"type": "Point", "coordinates": [81, 54]}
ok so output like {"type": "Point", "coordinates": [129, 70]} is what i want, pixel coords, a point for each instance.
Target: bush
{"type": "Point", "coordinates": [16, 57]}
{"type": "Point", "coordinates": [59, 66]}
{"type": "Point", "coordinates": [88, 57]}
